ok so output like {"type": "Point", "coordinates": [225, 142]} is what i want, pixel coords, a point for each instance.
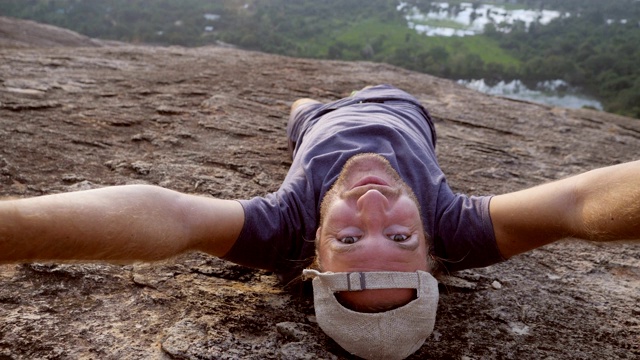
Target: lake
{"type": "Point", "coordinates": [554, 93]}
{"type": "Point", "coordinates": [468, 19]}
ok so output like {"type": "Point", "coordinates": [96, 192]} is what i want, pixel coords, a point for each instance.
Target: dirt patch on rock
{"type": "Point", "coordinates": [212, 121]}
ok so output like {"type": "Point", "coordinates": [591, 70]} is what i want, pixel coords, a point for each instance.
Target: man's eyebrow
{"type": "Point", "coordinates": [413, 245]}
{"type": "Point", "coordinates": [343, 249]}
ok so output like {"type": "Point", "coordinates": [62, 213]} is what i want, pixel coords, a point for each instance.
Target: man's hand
{"type": "Point", "coordinates": [118, 224]}
{"type": "Point", "coordinates": [599, 205]}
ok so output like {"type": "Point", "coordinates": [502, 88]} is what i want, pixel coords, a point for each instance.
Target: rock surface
{"type": "Point", "coordinates": [211, 121]}
{"type": "Point", "coordinates": [24, 33]}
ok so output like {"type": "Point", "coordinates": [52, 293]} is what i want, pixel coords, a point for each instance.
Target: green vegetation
{"type": "Point", "coordinates": [596, 47]}
{"type": "Point", "coordinates": [597, 50]}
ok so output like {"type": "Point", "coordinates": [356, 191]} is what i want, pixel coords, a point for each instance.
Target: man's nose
{"type": "Point", "coordinates": [373, 206]}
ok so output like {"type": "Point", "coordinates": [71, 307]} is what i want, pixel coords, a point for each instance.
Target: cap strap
{"type": "Point", "coordinates": [355, 281]}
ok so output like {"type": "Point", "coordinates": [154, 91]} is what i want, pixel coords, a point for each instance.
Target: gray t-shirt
{"type": "Point", "coordinates": [279, 229]}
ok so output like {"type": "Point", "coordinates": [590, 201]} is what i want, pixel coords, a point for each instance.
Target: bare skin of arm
{"type": "Point", "coordinates": [116, 224]}
{"type": "Point", "coordinates": [599, 205]}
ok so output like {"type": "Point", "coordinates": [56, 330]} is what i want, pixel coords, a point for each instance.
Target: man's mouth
{"type": "Point", "coordinates": [370, 180]}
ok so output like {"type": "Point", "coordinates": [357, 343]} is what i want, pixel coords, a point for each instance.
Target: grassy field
{"type": "Point", "coordinates": [386, 38]}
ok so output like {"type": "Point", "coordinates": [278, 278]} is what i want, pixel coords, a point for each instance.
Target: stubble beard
{"type": "Point", "coordinates": [339, 187]}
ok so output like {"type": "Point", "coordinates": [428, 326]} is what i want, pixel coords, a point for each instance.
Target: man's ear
{"type": "Point", "coordinates": [316, 261]}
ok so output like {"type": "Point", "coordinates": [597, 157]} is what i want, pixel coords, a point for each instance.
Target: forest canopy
{"type": "Point", "coordinates": [594, 45]}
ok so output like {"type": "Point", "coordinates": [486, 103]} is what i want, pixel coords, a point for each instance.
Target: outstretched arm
{"type": "Point", "coordinates": [599, 205]}
{"type": "Point", "coordinates": [119, 224]}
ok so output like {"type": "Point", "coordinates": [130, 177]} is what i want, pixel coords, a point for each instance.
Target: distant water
{"type": "Point", "coordinates": [468, 19]}
{"type": "Point", "coordinates": [554, 93]}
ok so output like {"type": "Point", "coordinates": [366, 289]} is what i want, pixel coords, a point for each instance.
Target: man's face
{"type": "Point", "coordinates": [370, 221]}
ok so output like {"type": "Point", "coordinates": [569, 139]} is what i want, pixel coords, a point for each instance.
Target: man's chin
{"type": "Point", "coordinates": [367, 168]}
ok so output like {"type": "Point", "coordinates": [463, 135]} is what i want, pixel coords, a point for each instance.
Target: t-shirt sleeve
{"type": "Point", "coordinates": [465, 237]}
{"type": "Point", "coordinates": [272, 235]}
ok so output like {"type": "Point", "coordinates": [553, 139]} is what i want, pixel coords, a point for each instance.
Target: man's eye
{"type": "Point", "coordinates": [399, 237]}
{"type": "Point", "coordinates": [348, 239]}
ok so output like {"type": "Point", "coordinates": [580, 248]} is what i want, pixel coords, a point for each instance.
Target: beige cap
{"type": "Point", "coordinates": [392, 334]}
